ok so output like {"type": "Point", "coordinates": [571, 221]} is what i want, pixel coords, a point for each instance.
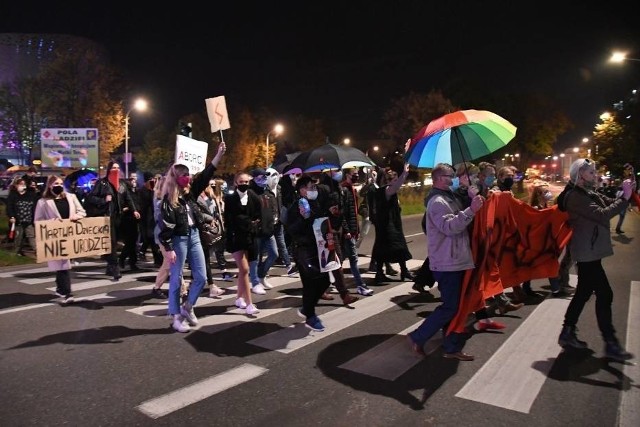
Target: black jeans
{"type": "Point", "coordinates": [592, 278]}
{"type": "Point", "coordinates": [63, 282]}
{"type": "Point", "coordinates": [314, 283]}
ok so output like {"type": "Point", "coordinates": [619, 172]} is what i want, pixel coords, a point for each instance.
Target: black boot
{"type": "Point", "coordinates": [389, 269]}
{"type": "Point", "coordinates": [569, 339]}
{"type": "Point", "coordinates": [406, 275]}
{"type": "Point", "coordinates": [613, 350]}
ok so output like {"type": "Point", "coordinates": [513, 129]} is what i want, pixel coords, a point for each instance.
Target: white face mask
{"type": "Point", "coordinates": [312, 194]}
{"type": "Point", "coordinates": [548, 195]}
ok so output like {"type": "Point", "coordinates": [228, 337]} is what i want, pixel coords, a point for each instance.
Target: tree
{"type": "Point", "coordinates": [83, 90]}
{"type": "Point", "coordinates": [157, 152]}
{"type": "Point", "coordinates": [409, 114]}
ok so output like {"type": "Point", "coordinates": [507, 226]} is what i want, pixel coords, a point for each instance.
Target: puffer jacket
{"type": "Point", "coordinates": [589, 217]}
{"type": "Point", "coordinates": [175, 220]}
{"type": "Point", "coordinates": [447, 234]}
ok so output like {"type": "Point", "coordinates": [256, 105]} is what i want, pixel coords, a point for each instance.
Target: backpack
{"type": "Point", "coordinates": [267, 217]}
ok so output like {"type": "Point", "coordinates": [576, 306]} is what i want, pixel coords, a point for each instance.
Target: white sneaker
{"type": "Point", "coordinates": [240, 303]}
{"type": "Point", "coordinates": [180, 324]}
{"type": "Point", "coordinates": [258, 289]}
{"type": "Point", "coordinates": [365, 291]}
{"type": "Point", "coordinates": [266, 284]}
{"type": "Point", "coordinates": [189, 314]}
{"type": "Point", "coordinates": [215, 291]}
{"type": "Point", "coordinates": [252, 309]}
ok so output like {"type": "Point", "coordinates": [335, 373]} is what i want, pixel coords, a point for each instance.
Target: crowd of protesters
{"type": "Point", "coordinates": [270, 217]}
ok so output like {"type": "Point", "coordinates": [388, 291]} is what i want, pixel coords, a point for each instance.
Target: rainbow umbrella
{"type": "Point", "coordinates": [457, 137]}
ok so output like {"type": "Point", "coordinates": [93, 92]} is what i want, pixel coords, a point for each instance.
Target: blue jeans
{"type": "Point", "coordinates": [186, 246]}
{"type": "Point", "coordinates": [349, 251]}
{"type": "Point", "coordinates": [278, 233]}
{"type": "Point", "coordinates": [258, 268]}
{"type": "Point", "coordinates": [449, 284]}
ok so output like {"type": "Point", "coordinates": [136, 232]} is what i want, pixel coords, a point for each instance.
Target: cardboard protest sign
{"type": "Point", "coordinates": [64, 239]}
{"type": "Point", "coordinates": [217, 112]}
{"type": "Point", "coordinates": [326, 245]}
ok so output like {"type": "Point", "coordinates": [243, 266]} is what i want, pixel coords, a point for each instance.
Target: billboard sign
{"type": "Point", "coordinates": [69, 148]}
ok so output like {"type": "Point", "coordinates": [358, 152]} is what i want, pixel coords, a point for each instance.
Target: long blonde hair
{"type": "Point", "coordinates": [170, 189]}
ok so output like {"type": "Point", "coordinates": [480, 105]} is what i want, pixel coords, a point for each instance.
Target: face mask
{"type": "Point", "coordinates": [223, 187]}
{"type": "Point", "coordinates": [548, 195]}
{"type": "Point", "coordinates": [57, 189]}
{"type": "Point", "coordinates": [183, 181]}
{"type": "Point", "coordinates": [114, 177]}
{"type": "Point", "coordinates": [337, 176]}
{"type": "Point", "coordinates": [261, 181]}
{"type": "Point", "coordinates": [21, 188]}
{"type": "Point", "coordinates": [354, 177]}
{"type": "Point", "coordinates": [312, 194]}
{"type": "Point", "coordinates": [507, 183]}
{"type": "Point", "coordinates": [488, 181]}
{"type": "Point", "coordinates": [242, 188]}
{"type": "Point", "coordinates": [455, 184]}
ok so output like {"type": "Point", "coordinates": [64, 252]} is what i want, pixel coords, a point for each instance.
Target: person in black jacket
{"type": "Point", "coordinates": [21, 204]}
{"type": "Point", "coordinates": [242, 216]}
{"type": "Point", "coordinates": [109, 197]}
{"type": "Point", "coordinates": [180, 237]}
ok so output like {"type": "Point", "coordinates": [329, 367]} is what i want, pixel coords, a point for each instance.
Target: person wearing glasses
{"type": "Point", "coordinates": [590, 215]}
{"type": "Point", "coordinates": [450, 256]}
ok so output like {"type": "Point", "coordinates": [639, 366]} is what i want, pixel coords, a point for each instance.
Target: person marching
{"type": "Point", "coordinates": [180, 237]}
{"type": "Point", "coordinates": [590, 215]}
{"type": "Point", "coordinates": [58, 204]}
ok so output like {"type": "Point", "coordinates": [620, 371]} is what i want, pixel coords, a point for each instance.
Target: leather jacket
{"type": "Point", "coordinates": [175, 220]}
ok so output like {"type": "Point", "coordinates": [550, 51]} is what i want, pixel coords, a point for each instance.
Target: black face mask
{"type": "Point", "coordinates": [57, 189]}
{"type": "Point", "coordinates": [507, 183]}
{"type": "Point", "coordinates": [243, 187]}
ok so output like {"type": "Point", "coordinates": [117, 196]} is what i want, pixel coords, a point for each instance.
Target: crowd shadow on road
{"type": "Point", "coordinates": [580, 366]}
{"type": "Point", "coordinates": [423, 379]}
{"type": "Point", "coordinates": [104, 335]}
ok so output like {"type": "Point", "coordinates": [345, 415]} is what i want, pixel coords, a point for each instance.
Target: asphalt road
{"type": "Point", "coordinates": [111, 358]}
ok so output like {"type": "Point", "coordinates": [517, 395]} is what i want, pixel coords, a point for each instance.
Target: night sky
{"type": "Point", "coordinates": [344, 61]}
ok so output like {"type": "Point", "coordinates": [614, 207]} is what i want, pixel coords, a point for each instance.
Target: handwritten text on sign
{"type": "Point", "coordinates": [64, 239]}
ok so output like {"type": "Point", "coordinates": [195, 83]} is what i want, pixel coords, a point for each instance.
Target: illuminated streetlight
{"type": "Point", "coordinates": [346, 141]}
{"type": "Point", "coordinates": [140, 105]}
{"type": "Point", "coordinates": [277, 129]}
{"type": "Point", "coordinates": [619, 57]}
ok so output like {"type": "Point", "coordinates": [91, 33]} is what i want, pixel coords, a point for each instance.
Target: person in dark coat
{"type": "Point", "coordinates": [108, 197]}
{"type": "Point", "coordinates": [390, 244]}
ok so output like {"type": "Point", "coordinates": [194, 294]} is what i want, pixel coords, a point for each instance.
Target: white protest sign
{"type": "Point", "coordinates": [191, 153]}
{"type": "Point", "coordinates": [217, 112]}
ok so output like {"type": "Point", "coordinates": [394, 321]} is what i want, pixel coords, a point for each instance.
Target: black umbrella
{"type": "Point", "coordinates": [330, 156]}
{"type": "Point", "coordinates": [281, 162]}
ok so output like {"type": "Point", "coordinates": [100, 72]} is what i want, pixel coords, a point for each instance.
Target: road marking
{"type": "Point", "coordinates": [516, 372]}
{"type": "Point", "coordinates": [297, 336]}
{"type": "Point", "coordinates": [178, 399]}
{"type": "Point", "coordinates": [391, 358]}
{"type": "Point", "coordinates": [629, 409]}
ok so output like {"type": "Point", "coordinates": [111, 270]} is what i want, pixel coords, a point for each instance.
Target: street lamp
{"type": "Point", "coordinates": [140, 105]}
{"type": "Point", "coordinates": [619, 57]}
{"type": "Point", "coordinates": [562, 165]}
{"type": "Point", "coordinates": [346, 141]}
{"type": "Point", "coordinates": [277, 129]}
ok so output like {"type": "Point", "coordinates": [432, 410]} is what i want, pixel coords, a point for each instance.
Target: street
{"type": "Point", "coordinates": [111, 358]}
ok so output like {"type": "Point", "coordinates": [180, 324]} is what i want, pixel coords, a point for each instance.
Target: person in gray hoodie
{"type": "Point", "coordinates": [590, 213]}
{"type": "Point", "coordinates": [450, 256]}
